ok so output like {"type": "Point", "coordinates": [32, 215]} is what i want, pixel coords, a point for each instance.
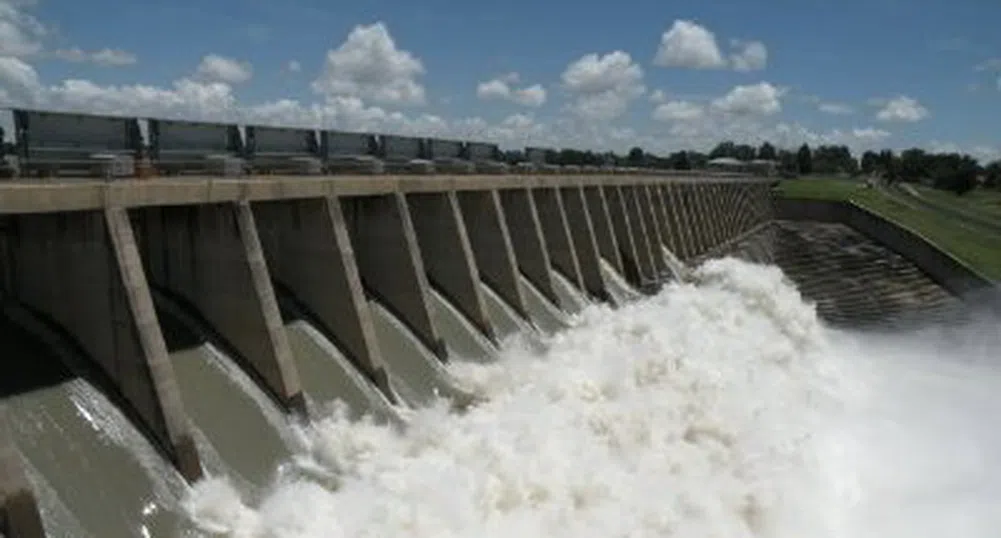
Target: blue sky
{"type": "Point", "coordinates": [663, 75]}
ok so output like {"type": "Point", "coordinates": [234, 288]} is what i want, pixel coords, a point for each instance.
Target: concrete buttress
{"type": "Point", "coordinates": [526, 237]}
{"type": "Point", "coordinates": [210, 257]}
{"type": "Point", "coordinates": [492, 246]}
{"type": "Point", "coordinates": [82, 271]}
{"type": "Point", "coordinates": [309, 253]}
{"type": "Point", "coordinates": [601, 224]}
{"type": "Point", "coordinates": [447, 254]}
{"type": "Point", "coordinates": [582, 231]}
{"type": "Point", "coordinates": [390, 262]}
{"type": "Point", "coordinates": [556, 231]}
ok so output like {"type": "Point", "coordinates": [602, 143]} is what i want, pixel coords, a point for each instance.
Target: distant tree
{"type": "Point", "coordinates": [870, 162]}
{"type": "Point", "coordinates": [744, 152]}
{"type": "Point", "coordinates": [679, 161]}
{"type": "Point", "coordinates": [992, 175]}
{"type": "Point", "coordinates": [767, 152]}
{"type": "Point", "coordinates": [804, 160]}
{"type": "Point", "coordinates": [724, 149]}
{"type": "Point", "coordinates": [636, 157]}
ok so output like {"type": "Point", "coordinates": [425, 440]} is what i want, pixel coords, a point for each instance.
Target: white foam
{"type": "Point", "coordinates": [718, 408]}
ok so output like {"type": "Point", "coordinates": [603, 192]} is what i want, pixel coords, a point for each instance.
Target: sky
{"type": "Point", "coordinates": [664, 76]}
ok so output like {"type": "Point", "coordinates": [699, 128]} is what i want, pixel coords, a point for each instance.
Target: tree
{"type": "Point", "coordinates": [804, 160]}
{"type": "Point", "coordinates": [767, 152]}
{"type": "Point", "coordinates": [680, 161]}
{"type": "Point", "coordinates": [992, 175]}
{"type": "Point", "coordinates": [636, 157]}
{"type": "Point", "coordinates": [870, 162]}
{"type": "Point", "coordinates": [724, 149]}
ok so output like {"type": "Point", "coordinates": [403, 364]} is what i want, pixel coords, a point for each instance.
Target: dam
{"type": "Point", "coordinates": [204, 323]}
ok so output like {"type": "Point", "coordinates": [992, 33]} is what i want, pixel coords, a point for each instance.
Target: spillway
{"type": "Point", "coordinates": [563, 355]}
{"type": "Point", "coordinates": [98, 475]}
{"type": "Point", "coordinates": [730, 409]}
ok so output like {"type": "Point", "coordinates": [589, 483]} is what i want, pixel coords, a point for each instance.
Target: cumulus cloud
{"type": "Point", "coordinates": [761, 99]}
{"type": "Point", "coordinates": [678, 111]}
{"type": "Point", "coordinates": [368, 65]}
{"type": "Point", "coordinates": [104, 57]}
{"type": "Point", "coordinates": [837, 109]}
{"type": "Point", "coordinates": [21, 34]}
{"type": "Point", "coordinates": [658, 96]}
{"type": "Point", "coordinates": [603, 86]}
{"type": "Point", "coordinates": [503, 88]}
{"type": "Point", "coordinates": [293, 66]}
{"type": "Point", "coordinates": [751, 56]}
{"type": "Point", "coordinates": [902, 109]}
{"type": "Point", "coordinates": [687, 44]}
{"type": "Point", "coordinates": [216, 68]}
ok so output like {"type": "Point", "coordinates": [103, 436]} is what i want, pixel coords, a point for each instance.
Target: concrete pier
{"type": "Point", "coordinates": [582, 232]}
{"type": "Point", "coordinates": [601, 227]}
{"type": "Point", "coordinates": [210, 257]}
{"type": "Point", "coordinates": [81, 270]}
{"type": "Point", "coordinates": [529, 244]}
{"type": "Point", "coordinates": [308, 252]}
{"type": "Point", "coordinates": [559, 242]}
{"type": "Point", "coordinates": [448, 256]}
{"type": "Point", "coordinates": [492, 246]}
{"type": "Point", "coordinates": [390, 262]}
{"type": "Point", "coordinates": [636, 271]}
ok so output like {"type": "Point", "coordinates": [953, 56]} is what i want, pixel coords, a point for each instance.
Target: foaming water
{"type": "Point", "coordinates": [720, 407]}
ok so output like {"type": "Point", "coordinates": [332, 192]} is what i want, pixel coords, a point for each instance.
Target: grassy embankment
{"type": "Point", "coordinates": [981, 203]}
{"type": "Point", "coordinates": [980, 251]}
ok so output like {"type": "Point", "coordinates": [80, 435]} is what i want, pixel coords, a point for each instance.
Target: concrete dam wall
{"type": "Point", "coordinates": [102, 265]}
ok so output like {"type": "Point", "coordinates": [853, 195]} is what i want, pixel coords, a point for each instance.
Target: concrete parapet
{"type": "Point", "coordinates": [527, 239]}
{"type": "Point", "coordinates": [582, 231]}
{"type": "Point", "coordinates": [309, 253]}
{"type": "Point", "coordinates": [390, 263]}
{"type": "Point", "coordinates": [556, 231]}
{"type": "Point", "coordinates": [447, 254]}
{"type": "Point", "coordinates": [492, 246]}
{"type": "Point", "coordinates": [82, 271]}
{"type": "Point", "coordinates": [635, 271]}
{"type": "Point", "coordinates": [19, 515]}
{"type": "Point", "coordinates": [601, 225]}
{"type": "Point", "coordinates": [210, 257]}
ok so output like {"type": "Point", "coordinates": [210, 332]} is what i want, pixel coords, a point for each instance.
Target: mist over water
{"type": "Point", "coordinates": [720, 407]}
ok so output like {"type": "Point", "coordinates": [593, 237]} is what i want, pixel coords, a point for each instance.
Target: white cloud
{"type": "Point", "coordinates": [293, 66]}
{"type": "Point", "coordinates": [870, 134]}
{"type": "Point", "coordinates": [369, 66]}
{"type": "Point", "coordinates": [18, 80]}
{"type": "Point", "coordinates": [989, 65]}
{"type": "Point", "coordinates": [216, 68]}
{"type": "Point", "coordinates": [752, 57]}
{"type": "Point", "coordinates": [20, 33]}
{"type": "Point", "coordinates": [105, 57]}
{"type": "Point", "coordinates": [503, 88]}
{"type": "Point", "coordinates": [761, 99]}
{"type": "Point", "coordinates": [903, 109]}
{"type": "Point", "coordinates": [658, 96]}
{"type": "Point", "coordinates": [838, 109]}
{"type": "Point", "coordinates": [687, 44]}
{"type": "Point", "coordinates": [678, 111]}
{"type": "Point", "coordinates": [603, 86]}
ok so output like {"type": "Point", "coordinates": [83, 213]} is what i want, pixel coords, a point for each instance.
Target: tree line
{"type": "Point", "coordinates": [956, 172]}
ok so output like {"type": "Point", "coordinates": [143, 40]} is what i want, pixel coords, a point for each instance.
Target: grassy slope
{"type": "Point", "coordinates": [983, 203]}
{"type": "Point", "coordinates": [979, 251]}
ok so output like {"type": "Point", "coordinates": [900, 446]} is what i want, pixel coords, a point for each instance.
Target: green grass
{"type": "Point", "coordinates": [979, 251]}
{"type": "Point", "coordinates": [980, 202]}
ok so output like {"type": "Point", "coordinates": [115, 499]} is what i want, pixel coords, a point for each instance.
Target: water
{"type": "Point", "coordinates": [328, 376]}
{"type": "Point", "coordinates": [95, 473]}
{"type": "Point", "coordinates": [464, 340]}
{"type": "Point", "coordinates": [571, 298]}
{"type": "Point", "coordinates": [505, 320]}
{"type": "Point", "coordinates": [241, 433]}
{"type": "Point", "coordinates": [618, 288]}
{"type": "Point", "coordinates": [418, 376]}
{"type": "Point", "coordinates": [717, 408]}
{"type": "Point", "coordinates": [544, 314]}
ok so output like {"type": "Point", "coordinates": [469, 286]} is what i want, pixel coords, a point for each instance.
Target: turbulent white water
{"type": "Point", "coordinates": [719, 408]}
